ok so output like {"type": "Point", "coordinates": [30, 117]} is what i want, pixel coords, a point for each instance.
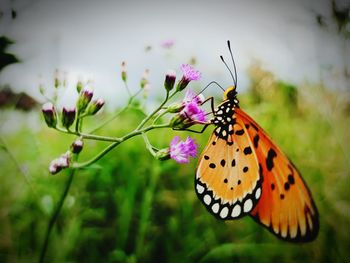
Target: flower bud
{"type": "Point", "coordinates": [68, 117]}
{"type": "Point", "coordinates": [182, 84]}
{"type": "Point", "coordinates": [50, 115]}
{"type": "Point", "coordinates": [169, 81]}
{"type": "Point", "coordinates": [57, 79]}
{"type": "Point", "coordinates": [124, 75]}
{"type": "Point", "coordinates": [163, 154]}
{"type": "Point", "coordinates": [178, 121]}
{"type": "Point", "coordinates": [79, 86]}
{"type": "Point", "coordinates": [144, 79]}
{"type": "Point", "coordinates": [95, 106]}
{"type": "Point", "coordinates": [53, 169]}
{"type": "Point", "coordinates": [60, 163]}
{"type": "Point", "coordinates": [77, 146]}
{"type": "Point", "coordinates": [175, 107]}
{"type": "Point", "coordinates": [84, 99]}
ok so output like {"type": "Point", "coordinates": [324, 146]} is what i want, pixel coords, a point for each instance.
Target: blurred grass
{"type": "Point", "coordinates": [129, 207]}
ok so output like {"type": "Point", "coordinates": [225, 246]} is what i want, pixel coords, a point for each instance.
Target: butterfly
{"type": "Point", "coordinates": [242, 172]}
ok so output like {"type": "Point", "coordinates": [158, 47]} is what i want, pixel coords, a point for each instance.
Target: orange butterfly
{"type": "Point", "coordinates": [241, 171]}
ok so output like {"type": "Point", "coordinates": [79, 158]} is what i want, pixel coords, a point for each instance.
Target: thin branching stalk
{"type": "Point", "coordinates": [115, 144]}
{"type": "Point", "coordinates": [55, 214]}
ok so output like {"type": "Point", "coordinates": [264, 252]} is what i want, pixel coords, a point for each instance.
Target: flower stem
{"type": "Point", "coordinates": [155, 111]}
{"type": "Point", "coordinates": [90, 136]}
{"type": "Point", "coordinates": [127, 89]}
{"type": "Point", "coordinates": [116, 143]}
{"type": "Point", "coordinates": [55, 215]}
{"type": "Point", "coordinates": [148, 145]}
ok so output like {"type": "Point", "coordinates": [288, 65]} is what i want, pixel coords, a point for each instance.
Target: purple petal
{"type": "Point", "coordinates": [181, 151]}
{"type": "Point", "coordinates": [190, 73]}
{"type": "Point", "coordinates": [194, 112]}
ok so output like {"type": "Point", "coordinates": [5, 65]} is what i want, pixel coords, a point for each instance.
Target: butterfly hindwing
{"type": "Point", "coordinates": [286, 206]}
{"type": "Point", "coordinates": [228, 178]}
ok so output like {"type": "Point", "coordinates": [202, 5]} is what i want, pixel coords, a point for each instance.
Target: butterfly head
{"type": "Point", "coordinates": [231, 94]}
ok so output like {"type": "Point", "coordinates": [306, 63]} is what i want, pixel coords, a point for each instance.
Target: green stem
{"type": "Point", "coordinates": [55, 215]}
{"type": "Point", "coordinates": [113, 145]}
{"type": "Point", "coordinates": [148, 145]}
{"type": "Point", "coordinates": [77, 122]}
{"type": "Point", "coordinates": [134, 96]}
{"type": "Point", "coordinates": [90, 136]}
{"type": "Point", "coordinates": [127, 88]}
{"type": "Point", "coordinates": [155, 111]}
{"type": "Point", "coordinates": [159, 116]}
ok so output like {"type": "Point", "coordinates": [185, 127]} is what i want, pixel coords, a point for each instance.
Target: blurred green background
{"type": "Point", "coordinates": [129, 207]}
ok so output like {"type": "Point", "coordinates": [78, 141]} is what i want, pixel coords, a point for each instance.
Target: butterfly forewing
{"type": "Point", "coordinates": [286, 207]}
{"type": "Point", "coordinates": [228, 177]}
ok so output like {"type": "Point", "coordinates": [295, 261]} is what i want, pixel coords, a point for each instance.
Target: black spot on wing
{"type": "Point", "coordinates": [206, 157]}
{"type": "Point", "coordinates": [286, 186]}
{"type": "Point", "coordinates": [223, 162]}
{"type": "Point", "coordinates": [256, 140]}
{"type": "Point", "coordinates": [269, 159]}
{"type": "Point", "coordinates": [212, 165]}
{"type": "Point", "coordinates": [291, 179]}
{"type": "Point", "coordinates": [239, 132]}
{"type": "Point", "coordinates": [247, 150]}
{"type": "Point", "coordinates": [233, 163]}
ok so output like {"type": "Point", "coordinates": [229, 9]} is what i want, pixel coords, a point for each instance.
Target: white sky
{"type": "Point", "coordinates": [89, 39]}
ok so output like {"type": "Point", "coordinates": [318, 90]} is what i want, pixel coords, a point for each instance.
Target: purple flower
{"type": "Point", "coordinates": [167, 43]}
{"type": "Point", "coordinates": [189, 111]}
{"type": "Point", "coordinates": [189, 74]}
{"type": "Point", "coordinates": [191, 96]}
{"type": "Point", "coordinates": [193, 112]}
{"type": "Point", "coordinates": [181, 151]}
{"type": "Point", "coordinates": [192, 109]}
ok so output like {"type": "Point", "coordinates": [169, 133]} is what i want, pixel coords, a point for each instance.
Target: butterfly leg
{"type": "Point", "coordinates": [201, 131]}
{"type": "Point", "coordinates": [211, 99]}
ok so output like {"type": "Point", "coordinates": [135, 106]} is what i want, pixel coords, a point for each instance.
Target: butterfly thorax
{"type": "Point", "coordinates": [224, 118]}
{"type": "Point", "coordinates": [224, 115]}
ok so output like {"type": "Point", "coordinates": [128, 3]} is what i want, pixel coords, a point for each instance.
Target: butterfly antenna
{"type": "Point", "coordinates": [233, 78]}
{"type": "Point", "coordinates": [210, 83]}
{"type": "Point", "coordinates": [233, 61]}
